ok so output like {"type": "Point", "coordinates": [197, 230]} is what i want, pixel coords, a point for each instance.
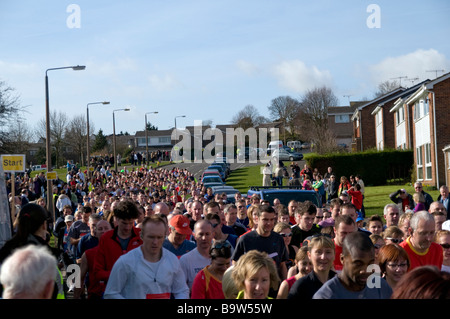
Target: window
{"type": "Point", "coordinates": [400, 115]}
{"type": "Point", "coordinates": [342, 118]}
{"type": "Point", "coordinates": [419, 163]}
{"type": "Point", "coordinates": [421, 108]}
{"type": "Point", "coordinates": [164, 140]}
{"type": "Point", "coordinates": [428, 174]}
{"type": "Point", "coordinates": [378, 118]}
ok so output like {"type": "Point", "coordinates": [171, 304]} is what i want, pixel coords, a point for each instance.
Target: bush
{"type": "Point", "coordinates": [375, 167]}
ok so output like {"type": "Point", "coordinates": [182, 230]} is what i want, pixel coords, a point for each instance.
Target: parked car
{"type": "Point", "coordinates": [306, 145]}
{"type": "Point", "coordinates": [209, 181]}
{"type": "Point", "coordinates": [220, 168]}
{"type": "Point", "coordinates": [211, 173]}
{"type": "Point", "coordinates": [285, 194]}
{"type": "Point", "coordinates": [287, 155]}
{"type": "Point", "coordinates": [228, 190]}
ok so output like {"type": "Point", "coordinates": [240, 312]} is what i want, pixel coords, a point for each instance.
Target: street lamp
{"type": "Point", "coordinates": [88, 137]}
{"type": "Point", "coordinates": [176, 120]}
{"type": "Point", "coordinates": [114, 136]}
{"type": "Point", "coordinates": [50, 205]}
{"type": "Point", "coordinates": [146, 135]}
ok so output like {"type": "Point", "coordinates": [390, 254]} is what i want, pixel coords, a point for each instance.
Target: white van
{"type": "Point", "coordinates": [274, 145]}
{"type": "Point", "coordinates": [294, 144]}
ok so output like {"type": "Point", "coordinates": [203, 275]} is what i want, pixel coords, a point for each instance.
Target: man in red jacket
{"type": "Point", "coordinates": [118, 241]}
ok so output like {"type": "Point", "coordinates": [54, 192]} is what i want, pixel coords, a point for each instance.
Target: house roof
{"type": "Point", "coordinates": [425, 87]}
{"type": "Point", "coordinates": [405, 93]}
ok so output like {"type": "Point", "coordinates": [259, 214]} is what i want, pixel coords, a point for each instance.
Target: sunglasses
{"type": "Point", "coordinates": [445, 246]}
{"type": "Point", "coordinates": [286, 235]}
{"type": "Point", "coordinates": [395, 240]}
{"type": "Point", "coordinates": [221, 245]}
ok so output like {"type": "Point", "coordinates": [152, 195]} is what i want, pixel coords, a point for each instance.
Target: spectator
{"type": "Point", "coordinates": [304, 227]}
{"type": "Point", "coordinates": [419, 202]}
{"type": "Point", "coordinates": [403, 198]}
{"type": "Point", "coordinates": [87, 278]}
{"type": "Point", "coordinates": [150, 271]}
{"type": "Point", "coordinates": [332, 188]}
{"type": "Point", "coordinates": [254, 275]}
{"type": "Point", "coordinates": [264, 239]}
{"type": "Point", "coordinates": [419, 245]}
{"type": "Point", "coordinates": [231, 220]}
{"type": "Point", "coordinates": [428, 199]}
{"type": "Point", "coordinates": [321, 252]}
{"type": "Point", "coordinates": [301, 268]}
{"type": "Point", "coordinates": [424, 282]}
{"type": "Point", "coordinates": [229, 288]}
{"type": "Point", "coordinates": [285, 231]}
{"type": "Point", "coordinates": [375, 224]}
{"type": "Point", "coordinates": [357, 255]}
{"type": "Point", "coordinates": [394, 263]}
{"type": "Point", "coordinates": [344, 225]}
{"type": "Point", "coordinates": [404, 223]}
{"type": "Point", "coordinates": [198, 258]}
{"type": "Point", "coordinates": [219, 235]}
{"type": "Point", "coordinates": [118, 241]}
{"type": "Point", "coordinates": [29, 273]}
{"type": "Point", "coordinates": [393, 235]}
{"type": "Point", "coordinates": [439, 213]}
{"type": "Point", "coordinates": [391, 215]}
{"type": "Point", "coordinates": [208, 281]}
{"type": "Point", "coordinates": [443, 238]}
{"type": "Point", "coordinates": [79, 229]}
{"type": "Point", "coordinates": [444, 198]}
{"type": "Point", "coordinates": [179, 230]}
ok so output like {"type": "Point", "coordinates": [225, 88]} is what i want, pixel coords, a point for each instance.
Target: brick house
{"type": "Point", "coordinates": [363, 135]}
{"type": "Point", "coordinates": [339, 122]}
{"type": "Point", "coordinates": [430, 129]}
{"type": "Point", "coordinates": [384, 119]}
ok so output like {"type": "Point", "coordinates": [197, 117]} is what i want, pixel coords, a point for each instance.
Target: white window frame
{"type": "Point", "coordinates": [419, 153]}
{"type": "Point", "coordinates": [428, 165]}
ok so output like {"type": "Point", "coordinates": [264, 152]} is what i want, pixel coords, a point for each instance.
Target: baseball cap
{"type": "Point", "coordinates": [181, 224]}
{"type": "Point", "coordinates": [68, 218]}
{"type": "Point", "coordinates": [446, 225]}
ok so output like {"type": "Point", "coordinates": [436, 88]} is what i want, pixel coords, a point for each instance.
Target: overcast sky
{"type": "Point", "coordinates": [209, 59]}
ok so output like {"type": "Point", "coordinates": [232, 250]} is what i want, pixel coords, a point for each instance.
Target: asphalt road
{"type": "Point", "coordinates": [198, 168]}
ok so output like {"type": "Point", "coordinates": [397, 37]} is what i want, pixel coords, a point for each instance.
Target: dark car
{"type": "Point", "coordinates": [285, 194]}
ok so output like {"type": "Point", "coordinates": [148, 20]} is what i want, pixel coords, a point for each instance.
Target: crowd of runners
{"type": "Point", "coordinates": [145, 232]}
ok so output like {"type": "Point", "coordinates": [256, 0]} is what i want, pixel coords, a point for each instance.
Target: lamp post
{"type": "Point", "coordinates": [146, 135]}
{"type": "Point", "coordinates": [114, 136]}
{"type": "Point", "coordinates": [176, 120]}
{"type": "Point", "coordinates": [50, 205]}
{"type": "Point", "coordinates": [88, 137]}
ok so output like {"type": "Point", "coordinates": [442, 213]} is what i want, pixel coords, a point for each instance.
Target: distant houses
{"type": "Point", "coordinates": [416, 118]}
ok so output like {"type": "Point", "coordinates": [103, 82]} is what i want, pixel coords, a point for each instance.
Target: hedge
{"type": "Point", "coordinates": [375, 167]}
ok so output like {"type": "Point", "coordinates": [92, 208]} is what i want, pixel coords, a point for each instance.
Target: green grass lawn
{"type": "Point", "coordinates": [376, 197]}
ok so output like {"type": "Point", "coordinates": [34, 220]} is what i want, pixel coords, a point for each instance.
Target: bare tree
{"type": "Point", "coordinates": [386, 87]}
{"type": "Point", "coordinates": [10, 110]}
{"type": "Point", "coordinates": [285, 109]}
{"type": "Point", "coordinates": [75, 136]}
{"type": "Point", "coordinates": [248, 117]}
{"type": "Point", "coordinates": [314, 118]}
{"type": "Point", "coordinates": [58, 125]}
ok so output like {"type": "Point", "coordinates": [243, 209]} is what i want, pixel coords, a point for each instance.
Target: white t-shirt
{"type": "Point", "coordinates": [191, 263]}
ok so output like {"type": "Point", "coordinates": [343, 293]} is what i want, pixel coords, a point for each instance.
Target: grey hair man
{"type": "Point", "coordinates": [29, 273]}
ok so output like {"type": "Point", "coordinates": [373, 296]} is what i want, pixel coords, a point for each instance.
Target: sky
{"type": "Point", "coordinates": [208, 59]}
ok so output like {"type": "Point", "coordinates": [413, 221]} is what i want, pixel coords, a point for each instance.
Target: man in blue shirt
{"type": "Point", "coordinates": [179, 231]}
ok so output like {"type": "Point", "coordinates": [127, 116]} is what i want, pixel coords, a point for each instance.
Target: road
{"type": "Point", "coordinates": [198, 168]}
